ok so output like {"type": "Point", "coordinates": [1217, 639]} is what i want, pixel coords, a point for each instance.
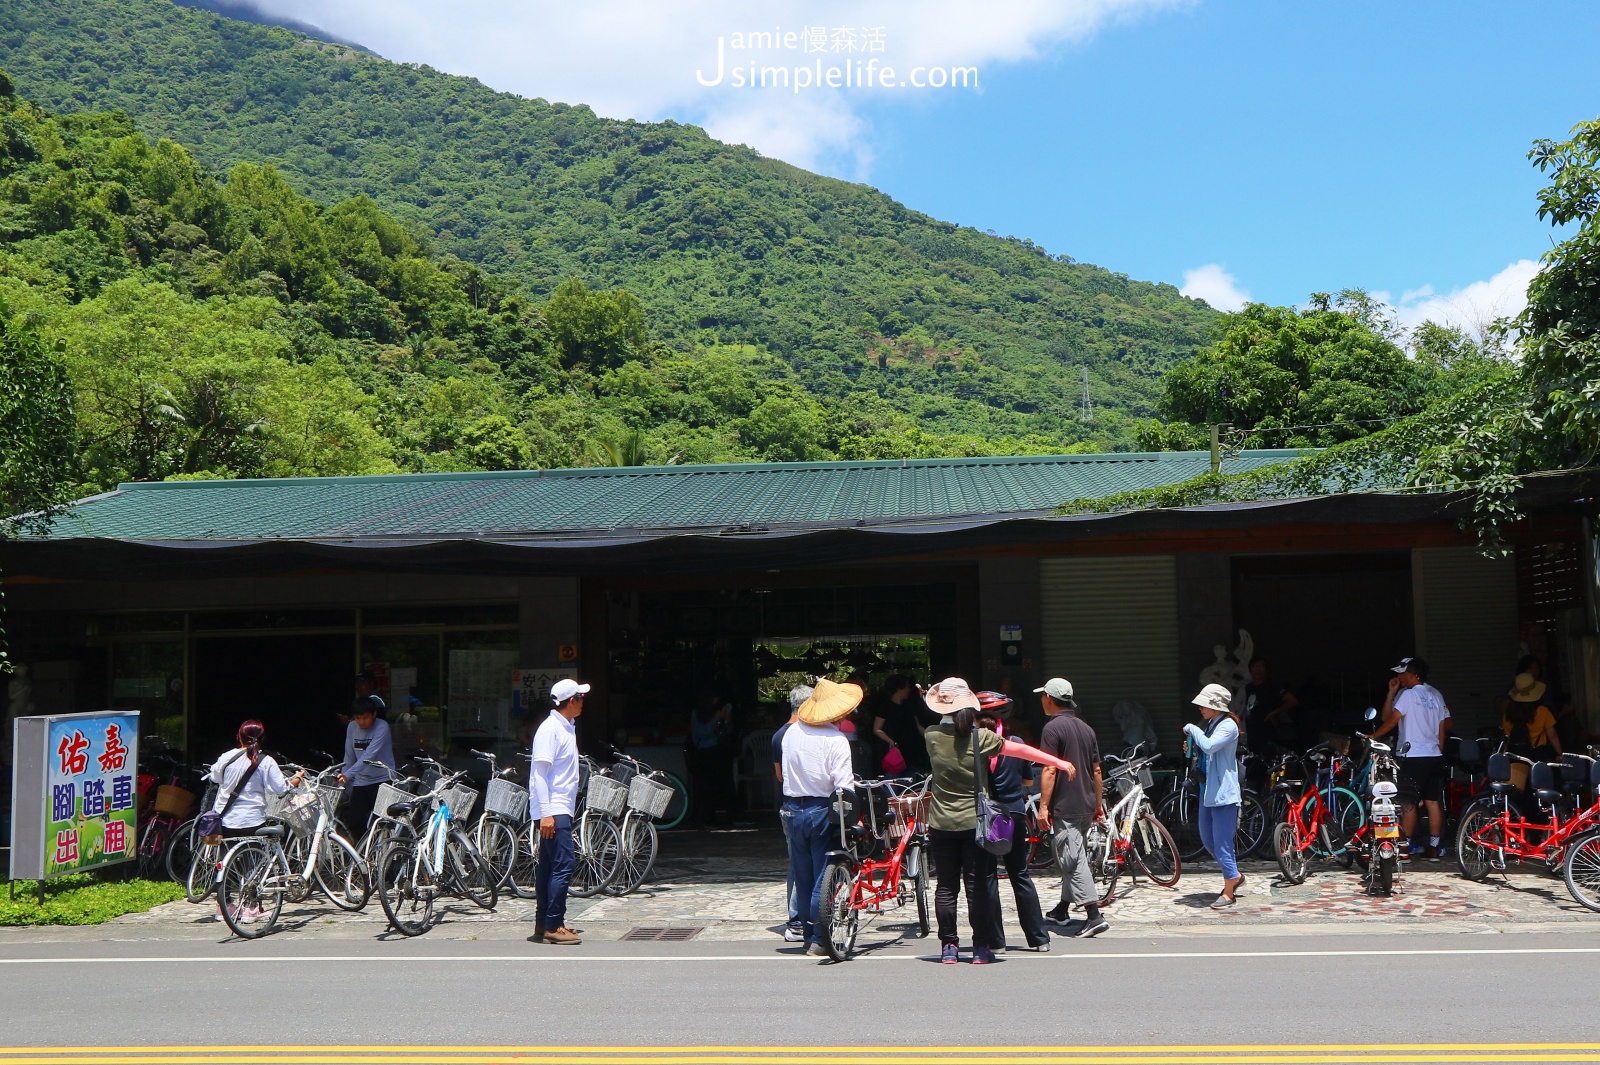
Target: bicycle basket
{"type": "Point", "coordinates": [388, 795]}
{"type": "Point", "coordinates": [606, 794]}
{"type": "Point", "coordinates": [330, 794]}
{"type": "Point", "coordinates": [461, 800]}
{"type": "Point", "coordinates": [298, 808]}
{"type": "Point", "coordinates": [506, 799]}
{"type": "Point", "coordinates": [174, 801]}
{"type": "Point", "coordinates": [649, 797]}
{"type": "Point", "coordinates": [1147, 780]}
{"type": "Point", "coordinates": [908, 808]}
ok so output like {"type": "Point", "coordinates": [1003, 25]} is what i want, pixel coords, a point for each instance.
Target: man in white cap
{"type": "Point", "coordinates": [552, 798]}
{"type": "Point", "coordinates": [1069, 807]}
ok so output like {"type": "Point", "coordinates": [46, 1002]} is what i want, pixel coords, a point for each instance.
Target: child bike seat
{"type": "Point", "coordinates": [1499, 767]}
{"type": "Point", "coordinates": [1542, 779]}
{"type": "Point", "coordinates": [1468, 754]}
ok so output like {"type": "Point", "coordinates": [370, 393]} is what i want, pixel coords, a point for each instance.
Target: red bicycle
{"type": "Point", "coordinates": [1322, 820]}
{"type": "Point", "coordinates": [1495, 832]}
{"type": "Point", "coordinates": [881, 859]}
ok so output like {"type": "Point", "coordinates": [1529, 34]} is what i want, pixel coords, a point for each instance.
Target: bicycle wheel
{"type": "Point", "coordinates": [840, 920]}
{"type": "Point", "coordinates": [180, 852]}
{"type": "Point", "coordinates": [497, 842]}
{"type": "Point", "coordinates": [250, 888]}
{"type": "Point", "coordinates": [1478, 840]}
{"type": "Point", "coordinates": [920, 887]}
{"type": "Point", "coordinates": [1182, 820]}
{"type": "Point", "coordinates": [594, 839]}
{"type": "Point", "coordinates": [152, 856]}
{"type": "Point", "coordinates": [636, 855]}
{"type": "Point", "coordinates": [407, 902]}
{"type": "Point", "coordinates": [525, 864]}
{"type": "Point", "coordinates": [1103, 861]}
{"type": "Point", "coordinates": [201, 880]}
{"type": "Point", "coordinates": [468, 870]}
{"type": "Point", "coordinates": [1252, 830]}
{"type": "Point", "coordinates": [1041, 852]}
{"type": "Point", "coordinates": [341, 874]}
{"type": "Point", "coordinates": [1155, 851]}
{"type": "Point", "coordinates": [1348, 815]}
{"type": "Point", "coordinates": [1292, 860]}
{"type": "Point", "coordinates": [678, 805]}
{"type": "Point", "coordinates": [1581, 870]}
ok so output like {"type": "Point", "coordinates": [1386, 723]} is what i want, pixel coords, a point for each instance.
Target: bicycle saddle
{"type": "Point", "coordinates": [1499, 768]}
{"type": "Point", "coordinates": [1468, 753]}
{"type": "Point", "coordinates": [402, 809]}
{"type": "Point", "coordinates": [269, 831]}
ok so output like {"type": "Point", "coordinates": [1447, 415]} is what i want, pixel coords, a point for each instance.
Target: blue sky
{"type": "Point", "coordinates": [1272, 149]}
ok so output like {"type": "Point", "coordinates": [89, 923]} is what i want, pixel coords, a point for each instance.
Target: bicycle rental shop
{"type": "Point", "coordinates": [198, 604]}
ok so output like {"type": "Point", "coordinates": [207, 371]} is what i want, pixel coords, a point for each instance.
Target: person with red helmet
{"type": "Point", "coordinates": [1009, 780]}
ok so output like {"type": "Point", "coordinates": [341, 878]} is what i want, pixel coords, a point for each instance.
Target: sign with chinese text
{"type": "Point", "coordinates": [530, 688]}
{"type": "Point", "coordinates": [75, 792]}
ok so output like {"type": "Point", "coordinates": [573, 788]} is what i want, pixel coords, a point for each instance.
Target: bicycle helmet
{"type": "Point", "coordinates": [994, 704]}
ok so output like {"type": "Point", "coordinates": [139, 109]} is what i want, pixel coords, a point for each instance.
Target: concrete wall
{"type": "Point", "coordinates": [549, 617]}
{"type": "Point", "coordinates": [1008, 594]}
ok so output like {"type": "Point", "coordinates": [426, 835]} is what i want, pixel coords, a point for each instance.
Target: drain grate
{"type": "Point", "coordinates": [678, 934]}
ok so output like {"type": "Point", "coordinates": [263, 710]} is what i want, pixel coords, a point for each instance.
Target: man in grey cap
{"type": "Point", "coordinates": [1069, 807]}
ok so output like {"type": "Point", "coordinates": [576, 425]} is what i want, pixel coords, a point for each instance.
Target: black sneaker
{"type": "Point", "coordinates": [1058, 915]}
{"type": "Point", "coordinates": [1091, 929]}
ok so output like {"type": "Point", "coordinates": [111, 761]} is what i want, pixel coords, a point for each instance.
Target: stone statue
{"type": "Point", "coordinates": [1231, 669]}
{"type": "Point", "coordinates": [1134, 721]}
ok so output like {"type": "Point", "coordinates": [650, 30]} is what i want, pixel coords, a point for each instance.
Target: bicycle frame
{"type": "Point", "coordinates": [1121, 818]}
{"type": "Point", "coordinates": [877, 880]}
{"type": "Point", "coordinates": [1308, 830]}
{"type": "Point", "coordinates": [1514, 841]}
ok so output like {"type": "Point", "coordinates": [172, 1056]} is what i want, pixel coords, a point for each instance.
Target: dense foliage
{"type": "Point", "coordinates": [1493, 420]}
{"type": "Point", "coordinates": [906, 335]}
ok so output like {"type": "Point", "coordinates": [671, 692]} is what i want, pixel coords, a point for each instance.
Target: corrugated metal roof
{"type": "Point", "coordinates": [453, 505]}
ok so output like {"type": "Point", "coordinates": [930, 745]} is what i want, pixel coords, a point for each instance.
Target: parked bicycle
{"type": "Point", "coordinates": [501, 832]}
{"type": "Point", "coordinates": [596, 845]}
{"type": "Point", "coordinates": [285, 861]}
{"type": "Point", "coordinates": [650, 793]}
{"type": "Point", "coordinates": [1129, 838]}
{"type": "Point", "coordinates": [881, 859]}
{"type": "Point", "coordinates": [1321, 815]}
{"type": "Point", "coordinates": [429, 854]}
{"type": "Point", "coordinates": [176, 787]}
{"type": "Point", "coordinates": [1495, 833]}
{"type": "Point", "coordinates": [1179, 811]}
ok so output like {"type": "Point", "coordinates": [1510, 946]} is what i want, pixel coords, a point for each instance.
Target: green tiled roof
{"type": "Point", "coordinates": [654, 498]}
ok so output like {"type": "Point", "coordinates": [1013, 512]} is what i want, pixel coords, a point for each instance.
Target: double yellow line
{"type": "Point", "coordinates": [1228, 1054]}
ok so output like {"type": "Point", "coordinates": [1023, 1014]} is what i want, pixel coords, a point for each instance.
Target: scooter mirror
{"type": "Point", "coordinates": [1404, 747]}
{"type": "Point", "coordinates": [1372, 713]}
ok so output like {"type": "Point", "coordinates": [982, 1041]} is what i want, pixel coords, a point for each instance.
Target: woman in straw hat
{"type": "Point", "coordinates": [1218, 742]}
{"type": "Point", "coordinates": [1528, 723]}
{"type": "Point", "coordinates": [954, 745]}
{"type": "Point", "coordinates": [816, 764]}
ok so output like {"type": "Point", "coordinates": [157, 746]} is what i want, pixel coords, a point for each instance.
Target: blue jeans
{"type": "Point", "coordinates": [808, 826]}
{"type": "Point", "coordinates": [1217, 826]}
{"type": "Point", "coordinates": [557, 859]}
{"type": "Point", "coordinates": [796, 917]}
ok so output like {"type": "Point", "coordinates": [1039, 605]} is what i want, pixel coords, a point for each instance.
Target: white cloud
{"type": "Point", "coordinates": [639, 58]}
{"type": "Point", "coordinates": [1473, 307]}
{"type": "Point", "coordinates": [1216, 286]}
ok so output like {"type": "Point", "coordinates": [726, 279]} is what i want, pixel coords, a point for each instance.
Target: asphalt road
{"type": "Point", "coordinates": [1362, 991]}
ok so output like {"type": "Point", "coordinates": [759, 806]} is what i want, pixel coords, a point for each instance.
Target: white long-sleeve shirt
{"type": "Point", "coordinates": [553, 778]}
{"type": "Point", "coordinates": [816, 761]}
{"type": "Point", "coordinates": [250, 809]}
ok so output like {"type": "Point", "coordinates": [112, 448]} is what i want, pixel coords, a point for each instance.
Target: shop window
{"type": "Point", "coordinates": [147, 678]}
{"type": "Point", "coordinates": [466, 614]}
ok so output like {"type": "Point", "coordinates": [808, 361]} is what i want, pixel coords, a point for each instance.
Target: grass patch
{"type": "Point", "coordinates": [82, 898]}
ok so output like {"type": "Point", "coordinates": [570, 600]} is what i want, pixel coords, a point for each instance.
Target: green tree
{"type": "Point", "coordinates": [596, 330]}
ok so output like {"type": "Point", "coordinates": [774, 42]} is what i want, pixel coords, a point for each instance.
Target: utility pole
{"type": "Point", "coordinates": [1216, 447]}
{"type": "Point", "coordinates": [1088, 408]}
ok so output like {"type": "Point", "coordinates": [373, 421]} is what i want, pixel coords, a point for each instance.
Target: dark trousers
{"type": "Point", "coordinates": [1029, 915]}
{"type": "Point", "coordinates": [958, 861]}
{"type": "Point", "coordinates": [557, 859]}
{"type": "Point", "coordinates": [357, 809]}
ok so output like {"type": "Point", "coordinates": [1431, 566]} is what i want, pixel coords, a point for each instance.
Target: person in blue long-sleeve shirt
{"type": "Point", "coordinates": [1218, 743]}
{"type": "Point", "coordinates": [366, 737]}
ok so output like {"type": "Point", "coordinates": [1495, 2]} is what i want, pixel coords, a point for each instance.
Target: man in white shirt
{"type": "Point", "coordinates": [1418, 708]}
{"type": "Point", "coordinates": [816, 764]}
{"type": "Point", "coordinates": [552, 798]}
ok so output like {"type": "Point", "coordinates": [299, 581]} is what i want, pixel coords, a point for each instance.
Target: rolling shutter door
{"type": "Point", "coordinates": [1466, 622]}
{"type": "Point", "coordinates": [1110, 626]}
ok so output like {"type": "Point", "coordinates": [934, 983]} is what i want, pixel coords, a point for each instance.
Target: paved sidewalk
{"type": "Point", "coordinates": [736, 893]}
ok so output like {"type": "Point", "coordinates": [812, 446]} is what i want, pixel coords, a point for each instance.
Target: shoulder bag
{"type": "Point", "coordinates": [209, 824]}
{"type": "Point", "coordinates": [995, 826]}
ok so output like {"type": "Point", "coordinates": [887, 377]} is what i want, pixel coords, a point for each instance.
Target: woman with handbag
{"type": "Point", "coordinates": [965, 828]}
{"type": "Point", "coordinates": [244, 778]}
{"type": "Point", "coordinates": [1218, 743]}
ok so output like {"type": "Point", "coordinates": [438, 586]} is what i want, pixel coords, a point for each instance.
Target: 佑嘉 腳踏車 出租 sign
{"type": "Point", "coordinates": [75, 793]}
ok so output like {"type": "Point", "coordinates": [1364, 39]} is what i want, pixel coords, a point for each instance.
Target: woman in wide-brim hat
{"type": "Point", "coordinates": [959, 860]}
{"type": "Point", "coordinates": [1528, 722]}
{"type": "Point", "coordinates": [1218, 743]}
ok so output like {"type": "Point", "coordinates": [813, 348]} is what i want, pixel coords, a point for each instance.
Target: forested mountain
{"type": "Point", "coordinates": [940, 337]}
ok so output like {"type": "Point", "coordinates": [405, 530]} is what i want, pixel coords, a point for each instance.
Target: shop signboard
{"type": "Point", "coordinates": [530, 688]}
{"type": "Point", "coordinates": [74, 793]}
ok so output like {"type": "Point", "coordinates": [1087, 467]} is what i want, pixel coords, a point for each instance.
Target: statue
{"type": "Point", "coordinates": [1231, 669]}
{"type": "Point", "coordinates": [1134, 721]}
